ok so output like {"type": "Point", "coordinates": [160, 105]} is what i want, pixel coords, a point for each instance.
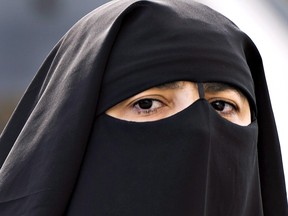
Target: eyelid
{"type": "Point", "coordinates": [156, 106]}
{"type": "Point", "coordinates": [233, 102]}
{"type": "Point", "coordinates": [159, 98]}
{"type": "Point", "coordinates": [153, 99]}
{"type": "Point", "coordinates": [232, 111]}
{"type": "Point", "coordinates": [233, 97]}
{"type": "Point", "coordinates": [230, 102]}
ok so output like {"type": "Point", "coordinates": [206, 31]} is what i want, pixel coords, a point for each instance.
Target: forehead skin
{"type": "Point", "coordinates": [212, 87]}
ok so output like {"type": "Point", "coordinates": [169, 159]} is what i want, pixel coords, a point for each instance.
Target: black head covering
{"type": "Point", "coordinates": [62, 155]}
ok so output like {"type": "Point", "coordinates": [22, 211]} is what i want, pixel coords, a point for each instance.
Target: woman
{"type": "Point", "coordinates": [145, 108]}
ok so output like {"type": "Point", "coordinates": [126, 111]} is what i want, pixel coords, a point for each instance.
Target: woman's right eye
{"type": "Point", "coordinates": [147, 106]}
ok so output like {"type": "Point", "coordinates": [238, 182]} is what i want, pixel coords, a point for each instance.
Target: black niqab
{"type": "Point", "coordinates": [62, 155]}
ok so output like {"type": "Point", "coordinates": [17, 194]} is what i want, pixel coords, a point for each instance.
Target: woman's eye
{"type": "Point", "coordinates": [147, 106]}
{"type": "Point", "coordinates": [223, 107]}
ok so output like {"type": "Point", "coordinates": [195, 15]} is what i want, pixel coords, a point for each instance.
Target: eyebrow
{"type": "Point", "coordinates": [212, 87]}
{"type": "Point", "coordinates": [171, 85]}
{"type": "Point", "coordinates": [215, 87]}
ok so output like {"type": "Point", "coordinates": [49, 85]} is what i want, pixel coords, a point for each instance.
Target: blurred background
{"type": "Point", "coordinates": [30, 28]}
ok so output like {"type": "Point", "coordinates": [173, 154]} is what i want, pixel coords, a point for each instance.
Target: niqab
{"type": "Point", "coordinates": [62, 155]}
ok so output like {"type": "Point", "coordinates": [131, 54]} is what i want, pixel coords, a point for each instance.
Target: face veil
{"type": "Point", "coordinates": [62, 155]}
{"type": "Point", "coordinates": [154, 158]}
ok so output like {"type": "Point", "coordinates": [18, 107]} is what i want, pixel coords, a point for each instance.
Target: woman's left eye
{"type": "Point", "coordinates": [223, 107]}
{"type": "Point", "coordinates": [147, 106]}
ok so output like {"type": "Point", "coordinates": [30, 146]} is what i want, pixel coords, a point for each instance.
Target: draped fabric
{"type": "Point", "coordinates": [60, 154]}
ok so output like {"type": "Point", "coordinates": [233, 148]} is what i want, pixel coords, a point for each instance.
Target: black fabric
{"type": "Point", "coordinates": [174, 166]}
{"type": "Point", "coordinates": [62, 155]}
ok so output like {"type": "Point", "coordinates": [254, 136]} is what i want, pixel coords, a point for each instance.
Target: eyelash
{"type": "Point", "coordinates": [148, 111]}
{"type": "Point", "coordinates": [234, 107]}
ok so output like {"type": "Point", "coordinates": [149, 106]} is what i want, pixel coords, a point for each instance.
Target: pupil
{"type": "Point", "coordinates": [218, 105]}
{"type": "Point", "coordinates": [145, 104]}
